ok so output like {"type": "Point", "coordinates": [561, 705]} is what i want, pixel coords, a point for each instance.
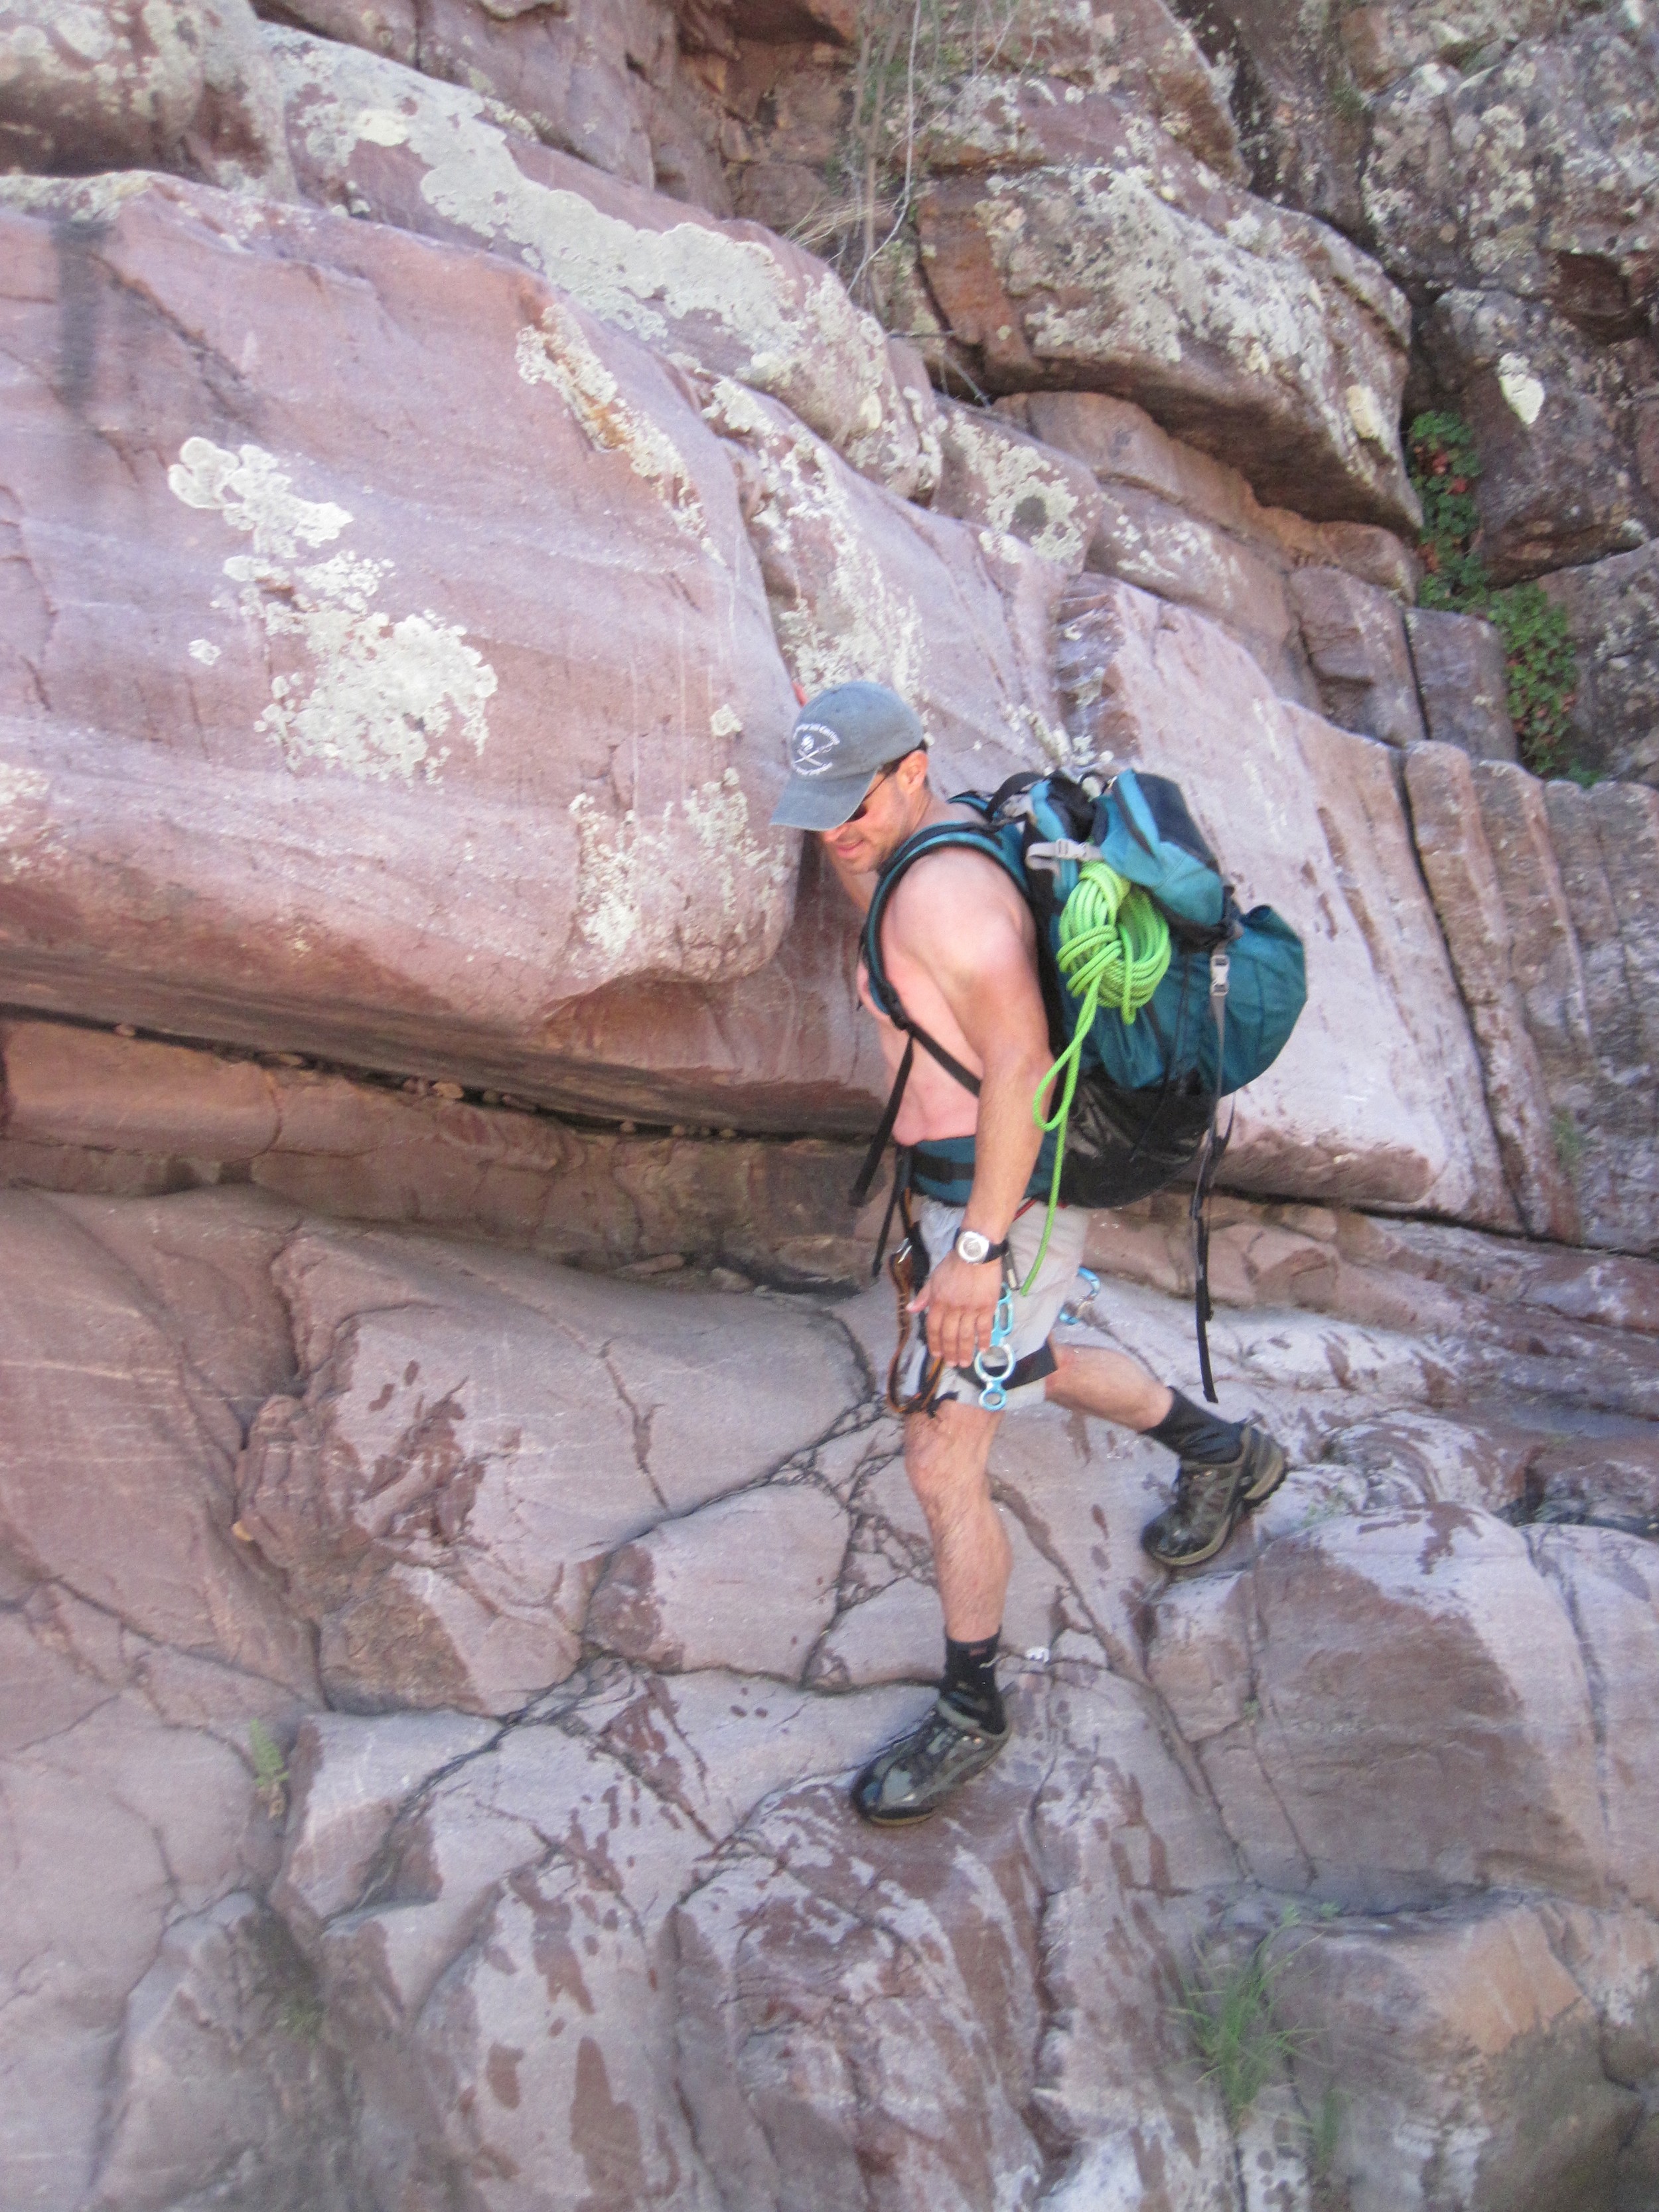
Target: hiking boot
{"type": "Point", "coordinates": [1209, 1502]}
{"type": "Point", "coordinates": [915, 1776]}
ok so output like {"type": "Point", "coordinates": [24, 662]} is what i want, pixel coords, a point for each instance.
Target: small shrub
{"type": "Point", "coordinates": [1539, 657]}
{"type": "Point", "coordinates": [1444, 467]}
{"type": "Point", "coordinates": [1540, 665]}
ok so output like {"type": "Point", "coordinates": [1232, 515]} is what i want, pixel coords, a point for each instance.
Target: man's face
{"type": "Point", "coordinates": [883, 821]}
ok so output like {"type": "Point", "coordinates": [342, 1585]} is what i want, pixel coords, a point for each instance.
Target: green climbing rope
{"type": "Point", "coordinates": [1113, 951]}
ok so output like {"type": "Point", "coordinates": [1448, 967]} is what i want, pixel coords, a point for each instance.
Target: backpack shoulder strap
{"type": "Point", "coordinates": [934, 839]}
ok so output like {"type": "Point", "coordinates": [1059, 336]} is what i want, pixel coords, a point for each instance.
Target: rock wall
{"type": "Point", "coordinates": [452, 1551]}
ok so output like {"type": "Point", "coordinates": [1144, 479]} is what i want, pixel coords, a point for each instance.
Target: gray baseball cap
{"type": "Point", "coordinates": [839, 742]}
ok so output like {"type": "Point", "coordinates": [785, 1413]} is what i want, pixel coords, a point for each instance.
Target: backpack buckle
{"type": "Point", "coordinates": [1063, 849]}
{"type": "Point", "coordinates": [1220, 966]}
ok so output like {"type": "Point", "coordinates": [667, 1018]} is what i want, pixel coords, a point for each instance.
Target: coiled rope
{"type": "Point", "coordinates": [1113, 951]}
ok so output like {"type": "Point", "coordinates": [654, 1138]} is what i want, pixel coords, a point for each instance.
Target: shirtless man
{"type": "Point", "coordinates": [960, 947]}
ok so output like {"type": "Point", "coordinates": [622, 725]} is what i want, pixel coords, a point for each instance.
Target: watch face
{"type": "Point", "coordinates": [972, 1246]}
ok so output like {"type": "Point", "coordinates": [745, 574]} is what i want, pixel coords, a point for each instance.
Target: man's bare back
{"type": "Point", "coordinates": [955, 916]}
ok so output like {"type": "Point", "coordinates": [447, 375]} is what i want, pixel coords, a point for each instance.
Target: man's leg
{"type": "Point", "coordinates": [1226, 1468]}
{"type": "Point", "coordinates": [1110, 1385]}
{"type": "Point", "coordinates": [945, 1456]}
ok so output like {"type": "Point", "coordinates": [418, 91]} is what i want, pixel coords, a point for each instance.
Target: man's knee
{"type": "Point", "coordinates": [945, 1450]}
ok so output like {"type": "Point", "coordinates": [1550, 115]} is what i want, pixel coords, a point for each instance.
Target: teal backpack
{"type": "Point", "coordinates": [1163, 997]}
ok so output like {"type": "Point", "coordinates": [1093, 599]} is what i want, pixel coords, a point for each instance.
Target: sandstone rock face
{"type": "Point", "coordinates": [1566, 477]}
{"type": "Point", "coordinates": [1540, 866]}
{"type": "Point", "coordinates": [1050, 275]}
{"type": "Point", "coordinates": [1035, 98]}
{"type": "Point", "coordinates": [1613, 614]}
{"type": "Point", "coordinates": [1189, 529]}
{"type": "Point", "coordinates": [1160, 689]}
{"type": "Point", "coordinates": [1536, 177]}
{"type": "Point", "coordinates": [374, 674]}
{"type": "Point", "coordinates": [861, 583]}
{"type": "Point", "coordinates": [1465, 1606]}
{"type": "Point", "coordinates": [1491, 2016]}
{"type": "Point", "coordinates": [568, 73]}
{"type": "Point", "coordinates": [1461, 683]}
{"type": "Point", "coordinates": [112, 1116]}
{"type": "Point", "coordinates": [343, 1986]}
{"type": "Point", "coordinates": [1462, 878]}
{"type": "Point", "coordinates": [1015, 485]}
{"type": "Point", "coordinates": [681, 1598]}
{"type": "Point", "coordinates": [229, 2000]}
{"type": "Point", "coordinates": [441, 1500]}
{"type": "Point", "coordinates": [1356, 641]}
{"type": "Point", "coordinates": [383, 141]}
{"type": "Point", "coordinates": [141, 1639]}
{"type": "Point", "coordinates": [172, 84]}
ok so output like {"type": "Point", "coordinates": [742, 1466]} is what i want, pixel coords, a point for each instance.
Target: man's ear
{"type": "Point", "coordinates": [911, 774]}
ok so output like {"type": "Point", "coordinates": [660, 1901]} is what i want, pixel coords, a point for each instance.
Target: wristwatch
{"type": "Point", "coordinates": [974, 1246]}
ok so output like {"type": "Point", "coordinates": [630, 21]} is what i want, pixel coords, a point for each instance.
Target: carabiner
{"type": "Point", "coordinates": [994, 1396]}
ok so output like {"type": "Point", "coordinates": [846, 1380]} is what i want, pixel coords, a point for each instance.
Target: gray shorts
{"type": "Point", "coordinates": [1034, 1314]}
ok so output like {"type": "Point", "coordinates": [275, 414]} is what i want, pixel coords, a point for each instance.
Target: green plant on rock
{"type": "Point", "coordinates": [1543, 675]}
{"type": "Point", "coordinates": [270, 1775]}
{"type": "Point", "coordinates": [301, 2018]}
{"type": "Point", "coordinates": [1227, 2011]}
{"type": "Point", "coordinates": [1444, 467]}
{"type": "Point", "coordinates": [1540, 663]}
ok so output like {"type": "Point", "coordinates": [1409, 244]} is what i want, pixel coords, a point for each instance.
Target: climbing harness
{"type": "Point", "coordinates": [904, 1270]}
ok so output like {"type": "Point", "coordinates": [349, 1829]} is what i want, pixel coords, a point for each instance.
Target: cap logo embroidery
{"type": "Point", "coordinates": [811, 747]}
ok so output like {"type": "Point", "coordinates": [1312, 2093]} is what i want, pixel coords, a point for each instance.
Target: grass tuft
{"type": "Point", "coordinates": [1227, 2010]}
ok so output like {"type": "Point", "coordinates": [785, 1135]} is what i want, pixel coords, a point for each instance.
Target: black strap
{"type": "Point", "coordinates": [897, 1197]}
{"type": "Point", "coordinates": [884, 1130]}
{"type": "Point", "coordinates": [1209, 1159]}
{"type": "Point", "coordinates": [1036, 1367]}
{"type": "Point", "coordinates": [925, 841]}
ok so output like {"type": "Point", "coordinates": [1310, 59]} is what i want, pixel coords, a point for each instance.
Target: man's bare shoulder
{"type": "Point", "coordinates": [954, 899]}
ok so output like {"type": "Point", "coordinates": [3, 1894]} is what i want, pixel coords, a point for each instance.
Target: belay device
{"type": "Point", "coordinates": [1163, 998]}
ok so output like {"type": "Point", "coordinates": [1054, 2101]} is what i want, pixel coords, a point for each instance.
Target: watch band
{"type": "Point", "coordinates": [974, 1246]}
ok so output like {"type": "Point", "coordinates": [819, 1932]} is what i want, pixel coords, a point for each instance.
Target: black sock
{"type": "Point", "coordinates": [1193, 1434]}
{"type": "Point", "coordinates": [970, 1680]}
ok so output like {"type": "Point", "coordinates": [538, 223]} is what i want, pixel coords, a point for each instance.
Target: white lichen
{"type": "Point", "coordinates": [23, 793]}
{"type": "Point", "coordinates": [559, 352]}
{"type": "Point", "coordinates": [1520, 387]}
{"type": "Point", "coordinates": [377, 696]}
{"type": "Point", "coordinates": [666, 893]}
{"type": "Point", "coordinates": [1366, 412]}
{"type": "Point", "coordinates": [746, 307]}
{"type": "Point", "coordinates": [1023, 495]}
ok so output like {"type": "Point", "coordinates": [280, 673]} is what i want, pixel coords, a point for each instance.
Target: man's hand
{"type": "Point", "coordinates": [960, 1301]}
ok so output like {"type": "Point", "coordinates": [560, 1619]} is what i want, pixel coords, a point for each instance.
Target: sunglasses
{"type": "Point", "coordinates": [881, 776]}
